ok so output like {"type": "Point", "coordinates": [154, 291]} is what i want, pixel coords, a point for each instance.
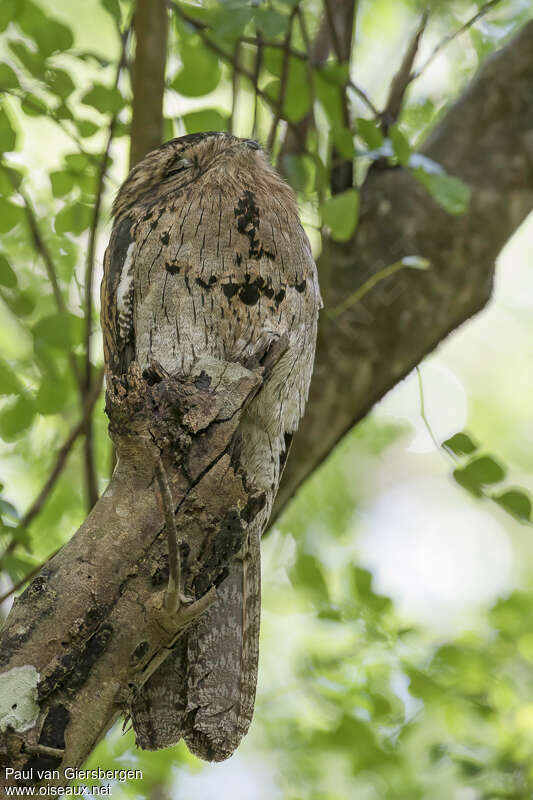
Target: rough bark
{"type": "Point", "coordinates": [148, 77]}
{"type": "Point", "coordinates": [93, 625]}
{"type": "Point", "coordinates": [486, 139]}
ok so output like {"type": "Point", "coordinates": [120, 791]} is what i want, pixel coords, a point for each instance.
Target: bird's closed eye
{"type": "Point", "coordinates": [179, 166]}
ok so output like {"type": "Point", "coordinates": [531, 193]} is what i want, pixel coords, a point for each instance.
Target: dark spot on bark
{"type": "Point", "coordinates": [203, 381]}
{"type": "Point", "coordinates": [249, 294]}
{"type": "Point", "coordinates": [206, 285]}
{"type": "Point", "coordinates": [55, 723]}
{"type": "Point", "coordinates": [230, 289]}
{"type": "Point", "coordinates": [95, 615]}
{"type": "Point", "coordinates": [139, 652]}
{"type": "Point", "coordinates": [238, 259]}
{"type": "Point", "coordinates": [10, 645]}
{"type": "Point", "coordinates": [300, 287]}
{"type": "Point", "coordinates": [74, 668]}
{"type": "Point", "coordinates": [52, 735]}
{"type": "Point", "coordinates": [160, 576]}
{"type": "Point", "coordinates": [165, 238]}
{"type": "Point", "coordinates": [172, 268]}
{"type": "Point", "coordinates": [280, 297]}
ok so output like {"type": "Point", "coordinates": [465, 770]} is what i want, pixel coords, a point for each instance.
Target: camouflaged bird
{"type": "Point", "coordinates": [208, 257]}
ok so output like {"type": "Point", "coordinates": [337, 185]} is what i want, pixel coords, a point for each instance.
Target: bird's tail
{"type": "Point", "coordinates": [204, 691]}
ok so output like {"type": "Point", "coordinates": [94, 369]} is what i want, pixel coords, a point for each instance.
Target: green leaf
{"type": "Point", "coordinates": [300, 172]}
{"type": "Point", "coordinates": [74, 218]}
{"type": "Point", "coordinates": [7, 276]}
{"type": "Point", "coordinates": [10, 215]}
{"type": "Point", "coordinates": [59, 82]}
{"type": "Point", "coordinates": [113, 8]}
{"type": "Point", "coordinates": [230, 19]}
{"type": "Point", "coordinates": [343, 140]}
{"type": "Point", "coordinates": [53, 395]}
{"type": "Point", "coordinates": [78, 162]}
{"type": "Point", "coordinates": [86, 127]}
{"type": "Point", "coordinates": [8, 137]}
{"type": "Point", "coordinates": [368, 130]}
{"type": "Point", "coordinates": [200, 73]}
{"type": "Point", "coordinates": [362, 587]}
{"type": "Point", "coordinates": [59, 330]}
{"type": "Point", "coordinates": [451, 193]}
{"type": "Point", "coordinates": [400, 145]}
{"type": "Point", "coordinates": [16, 417]}
{"type": "Point", "coordinates": [62, 182]}
{"type": "Point", "coordinates": [50, 35]}
{"type": "Point", "coordinates": [206, 120]}
{"type": "Point", "coordinates": [9, 383]}
{"type": "Point", "coordinates": [328, 85]}
{"type": "Point", "coordinates": [8, 77]}
{"type": "Point", "coordinates": [340, 214]}
{"type": "Point", "coordinates": [33, 106]}
{"type": "Point", "coordinates": [105, 99]}
{"type": "Point", "coordinates": [21, 303]}
{"type": "Point", "coordinates": [478, 473]}
{"type": "Point", "coordinates": [270, 23]}
{"type": "Point", "coordinates": [307, 572]}
{"type": "Point", "coordinates": [460, 443]}
{"type": "Point", "coordinates": [8, 13]}
{"type": "Point", "coordinates": [516, 503]}
{"type": "Point", "coordinates": [33, 62]}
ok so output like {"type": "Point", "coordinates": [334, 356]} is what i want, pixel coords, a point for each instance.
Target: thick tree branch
{"type": "Point", "coordinates": [486, 140]}
{"type": "Point", "coordinates": [92, 626]}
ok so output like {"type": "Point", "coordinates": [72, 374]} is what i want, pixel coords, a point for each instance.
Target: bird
{"type": "Point", "coordinates": [208, 257]}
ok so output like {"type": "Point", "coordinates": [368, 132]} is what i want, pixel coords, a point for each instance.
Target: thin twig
{"type": "Point", "coordinates": [402, 79]}
{"type": "Point", "coordinates": [364, 97]}
{"type": "Point", "coordinates": [234, 87]}
{"type": "Point", "coordinates": [59, 464]}
{"type": "Point", "coordinates": [369, 284]}
{"type": "Point", "coordinates": [423, 410]}
{"type": "Point", "coordinates": [447, 39]}
{"type": "Point", "coordinates": [257, 72]}
{"type": "Point", "coordinates": [172, 594]}
{"type": "Point", "coordinates": [284, 79]}
{"type": "Point", "coordinates": [203, 32]}
{"type": "Point", "coordinates": [333, 31]}
{"type": "Point", "coordinates": [269, 43]}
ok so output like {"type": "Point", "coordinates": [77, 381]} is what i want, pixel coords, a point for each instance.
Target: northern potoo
{"type": "Point", "coordinates": [208, 257]}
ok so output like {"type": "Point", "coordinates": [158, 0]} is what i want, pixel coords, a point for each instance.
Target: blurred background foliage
{"type": "Point", "coordinates": [397, 643]}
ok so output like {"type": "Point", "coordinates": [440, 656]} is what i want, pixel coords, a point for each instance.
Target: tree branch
{"type": "Point", "coordinates": [95, 618]}
{"type": "Point", "coordinates": [148, 77]}
{"type": "Point", "coordinates": [484, 139]}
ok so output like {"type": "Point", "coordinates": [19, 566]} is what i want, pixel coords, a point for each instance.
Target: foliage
{"type": "Point", "coordinates": [367, 704]}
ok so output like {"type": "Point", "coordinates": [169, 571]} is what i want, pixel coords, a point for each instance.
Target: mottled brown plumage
{"type": "Point", "coordinates": [208, 257]}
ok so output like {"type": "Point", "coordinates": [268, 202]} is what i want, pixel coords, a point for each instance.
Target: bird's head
{"type": "Point", "coordinates": [184, 160]}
